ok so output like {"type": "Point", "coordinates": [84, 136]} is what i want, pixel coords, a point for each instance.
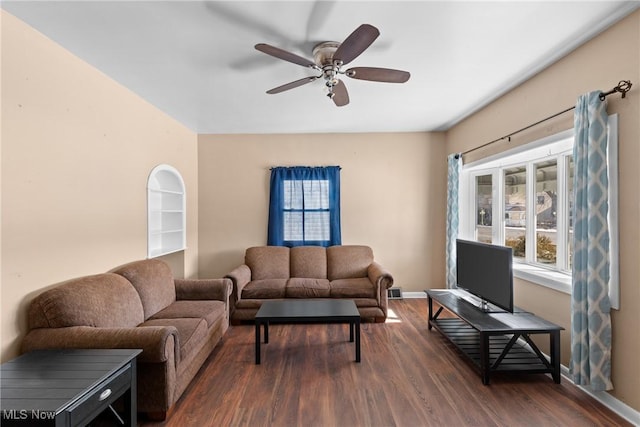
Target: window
{"type": "Point", "coordinates": [306, 210]}
{"type": "Point", "coordinates": [304, 206]}
{"type": "Point", "coordinates": [523, 199]}
{"type": "Point", "coordinates": [529, 192]}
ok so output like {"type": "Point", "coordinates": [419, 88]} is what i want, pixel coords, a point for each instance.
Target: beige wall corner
{"type": "Point", "coordinates": [77, 150]}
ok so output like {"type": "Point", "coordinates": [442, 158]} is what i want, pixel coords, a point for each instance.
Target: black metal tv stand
{"type": "Point", "coordinates": [490, 339]}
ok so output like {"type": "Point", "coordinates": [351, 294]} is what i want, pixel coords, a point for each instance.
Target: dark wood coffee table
{"type": "Point", "coordinates": [308, 311]}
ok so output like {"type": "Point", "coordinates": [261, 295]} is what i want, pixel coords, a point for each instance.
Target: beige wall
{"type": "Point", "coordinates": [393, 192]}
{"type": "Point", "coordinates": [75, 143]}
{"type": "Point", "coordinates": [599, 64]}
{"type": "Point", "coordinates": [76, 151]}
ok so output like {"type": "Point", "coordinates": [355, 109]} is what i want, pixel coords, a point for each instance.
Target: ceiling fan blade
{"type": "Point", "coordinates": [283, 54]}
{"type": "Point", "coordinates": [356, 43]}
{"type": "Point", "coordinates": [378, 74]}
{"type": "Point", "coordinates": [340, 94]}
{"type": "Point", "coordinates": [292, 85]}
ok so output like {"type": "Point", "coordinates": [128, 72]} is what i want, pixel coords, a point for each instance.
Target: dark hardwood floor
{"type": "Point", "coordinates": [409, 376]}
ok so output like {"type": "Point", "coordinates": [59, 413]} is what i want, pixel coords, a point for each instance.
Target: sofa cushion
{"type": "Point", "coordinates": [250, 304]}
{"type": "Point", "coordinates": [192, 333]}
{"type": "Point", "coordinates": [309, 261]}
{"type": "Point", "coordinates": [348, 261]}
{"type": "Point", "coordinates": [210, 311]}
{"type": "Point", "coordinates": [102, 300]}
{"type": "Point", "coordinates": [307, 288]}
{"type": "Point", "coordinates": [268, 262]}
{"type": "Point", "coordinates": [352, 288]}
{"type": "Point", "coordinates": [153, 280]}
{"type": "Point", "coordinates": [265, 289]}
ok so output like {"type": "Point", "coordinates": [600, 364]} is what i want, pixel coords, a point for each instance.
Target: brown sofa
{"type": "Point", "coordinates": [176, 323]}
{"type": "Point", "coordinates": [277, 272]}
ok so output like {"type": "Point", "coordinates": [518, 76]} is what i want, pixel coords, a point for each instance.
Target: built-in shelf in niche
{"type": "Point", "coordinates": [166, 221]}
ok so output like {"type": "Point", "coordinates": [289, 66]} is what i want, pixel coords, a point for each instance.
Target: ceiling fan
{"type": "Point", "coordinates": [330, 57]}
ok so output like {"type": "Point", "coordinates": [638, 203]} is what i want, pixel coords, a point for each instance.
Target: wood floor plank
{"type": "Point", "coordinates": [409, 376]}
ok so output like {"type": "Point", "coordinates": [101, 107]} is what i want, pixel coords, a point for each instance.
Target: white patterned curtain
{"type": "Point", "coordinates": [590, 306]}
{"type": "Point", "coordinates": [454, 162]}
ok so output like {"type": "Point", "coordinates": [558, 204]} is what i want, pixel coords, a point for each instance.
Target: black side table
{"type": "Point", "coordinates": [67, 387]}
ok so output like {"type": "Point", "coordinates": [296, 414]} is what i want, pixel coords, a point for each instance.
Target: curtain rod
{"type": "Point", "coordinates": [273, 167]}
{"type": "Point", "coordinates": [623, 87]}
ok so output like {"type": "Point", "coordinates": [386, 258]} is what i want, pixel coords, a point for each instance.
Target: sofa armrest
{"type": "Point", "coordinates": [379, 276]}
{"type": "Point", "coordinates": [239, 276]}
{"type": "Point", "coordinates": [158, 343]}
{"type": "Point", "coordinates": [203, 289]}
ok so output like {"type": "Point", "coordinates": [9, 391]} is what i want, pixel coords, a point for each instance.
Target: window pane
{"type": "Point", "coordinates": [293, 226]}
{"type": "Point", "coordinates": [483, 208]}
{"type": "Point", "coordinates": [546, 211]}
{"type": "Point", "coordinates": [306, 194]}
{"type": "Point", "coordinates": [292, 194]}
{"type": "Point", "coordinates": [316, 226]}
{"type": "Point", "coordinates": [316, 194]}
{"type": "Point", "coordinates": [515, 197]}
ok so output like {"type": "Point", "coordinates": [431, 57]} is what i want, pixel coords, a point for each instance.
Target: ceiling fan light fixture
{"type": "Point", "coordinates": [331, 82]}
{"type": "Point", "coordinates": [329, 57]}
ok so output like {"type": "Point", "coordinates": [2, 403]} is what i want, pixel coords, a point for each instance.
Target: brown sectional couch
{"type": "Point", "coordinates": [277, 272]}
{"type": "Point", "coordinates": [176, 322]}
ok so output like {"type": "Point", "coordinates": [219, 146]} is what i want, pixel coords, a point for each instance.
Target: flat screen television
{"type": "Point", "coordinates": [486, 271]}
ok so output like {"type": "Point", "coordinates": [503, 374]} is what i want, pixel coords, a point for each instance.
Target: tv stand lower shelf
{"type": "Point", "coordinates": [493, 341]}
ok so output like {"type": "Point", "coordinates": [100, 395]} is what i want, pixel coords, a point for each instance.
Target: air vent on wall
{"type": "Point", "coordinates": [394, 293]}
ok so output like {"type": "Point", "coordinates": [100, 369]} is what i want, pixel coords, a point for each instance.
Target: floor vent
{"type": "Point", "coordinates": [394, 293]}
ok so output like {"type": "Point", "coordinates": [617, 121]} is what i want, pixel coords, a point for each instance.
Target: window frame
{"type": "Point", "coordinates": [304, 210]}
{"type": "Point", "coordinates": [560, 147]}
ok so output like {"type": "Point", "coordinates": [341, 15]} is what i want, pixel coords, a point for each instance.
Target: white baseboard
{"type": "Point", "coordinates": [616, 405]}
{"type": "Point", "coordinates": [414, 295]}
{"type": "Point", "coordinates": [608, 400]}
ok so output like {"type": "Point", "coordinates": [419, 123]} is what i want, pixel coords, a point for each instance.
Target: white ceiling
{"type": "Point", "coordinates": [195, 60]}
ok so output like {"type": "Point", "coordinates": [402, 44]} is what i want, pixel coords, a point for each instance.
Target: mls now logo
{"type": "Point", "coordinates": [24, 414]}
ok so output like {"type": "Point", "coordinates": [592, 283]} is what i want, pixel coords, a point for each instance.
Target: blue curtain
{"type": "Point", "coordinates": [454, 162]}
{"type": "Point", "coordinates": [304, 206]}
{"type": "Point", "coordinates": [590, 306]}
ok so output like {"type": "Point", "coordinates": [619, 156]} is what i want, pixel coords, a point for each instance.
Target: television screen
{"type": "Point", "coordinates": [485, 271]}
